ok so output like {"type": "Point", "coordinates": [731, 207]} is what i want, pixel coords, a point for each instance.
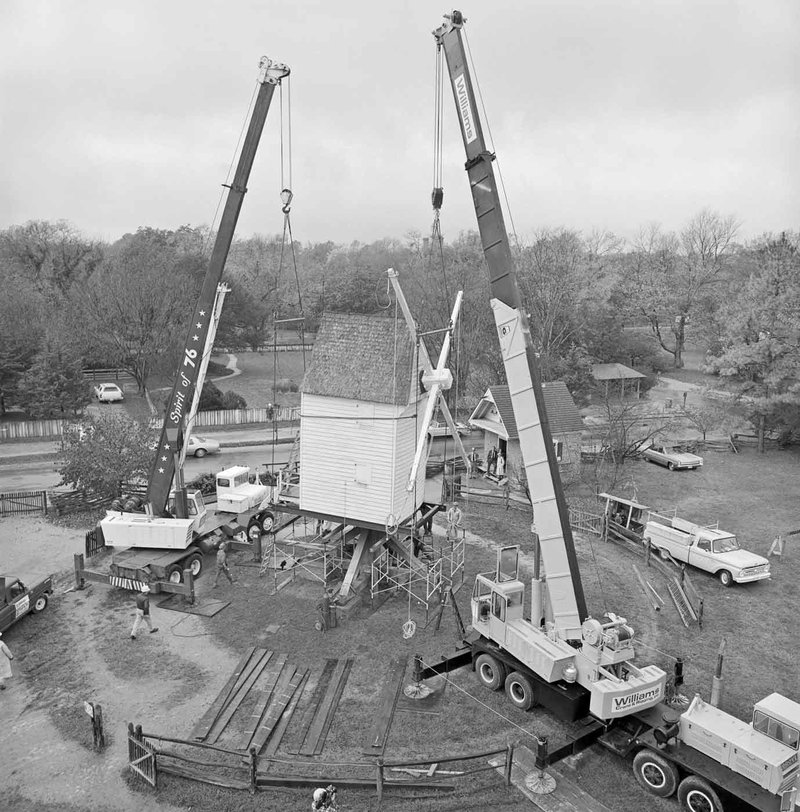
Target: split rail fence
{"type": "Point", "coordinates": [150, 754]}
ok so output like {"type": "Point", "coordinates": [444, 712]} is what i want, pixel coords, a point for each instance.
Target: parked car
{"type": "Point", "coordinates": [200, 446]}
{"type": "Point", "coordinates": [437, 429]}
{"type": "Point", "coordinates": [671, 457]}
{"type": "Point", "coordinates": [108, 393]}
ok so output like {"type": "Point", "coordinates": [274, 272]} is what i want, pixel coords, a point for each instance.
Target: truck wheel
{"type": "Point", "coordinates": [664, 553]}
{"type": "Point", "coordinates": [260, 523]}
{"type": "Point", "coordinates": [175, 574]}
{"type": "Point", "coordinates": [520, 691]}
{"type": "Point", "coordinates": [697, 795]}
{"type": "Point", "coordinates": [40, 604]}
{"type": "Point", "coordinates": [725, 578]}
{"type": "Point", "coordinates": [195, 564]}
{"type": "Point", "coordinates": [490, 672]}
{"type": "Point", "coordinates": [657, 775]}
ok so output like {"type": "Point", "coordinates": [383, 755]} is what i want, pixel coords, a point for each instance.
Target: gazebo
{"type": "Point", "coordinates": [618, 375]}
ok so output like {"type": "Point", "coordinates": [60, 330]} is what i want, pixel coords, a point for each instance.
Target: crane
{"type": "Point", "coordinates": [562, 647]}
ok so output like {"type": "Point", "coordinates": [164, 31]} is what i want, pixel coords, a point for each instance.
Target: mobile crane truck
{"type": "Point", "coordinates": [154, 547]}
{"type": "Point", "coordinates": [563, 658]}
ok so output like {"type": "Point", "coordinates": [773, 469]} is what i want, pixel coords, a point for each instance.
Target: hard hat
{"type": "Point", "coordinates": [145, 588]}
{"type": "Point", "coordinates": [319, 794]}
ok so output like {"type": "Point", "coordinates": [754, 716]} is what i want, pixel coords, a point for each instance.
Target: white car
{"type": "Point", "coordinates": [200, 446]}
{"type": "Point", "coordinates": [108, 393]}
{"type": "Point", "coordinates": [672, 458]}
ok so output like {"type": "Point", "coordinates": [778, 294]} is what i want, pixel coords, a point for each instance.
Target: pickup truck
{"type": "Point", "coordinates": [706, 548]}
{"type": "Point", "coordinates": [17, 600]}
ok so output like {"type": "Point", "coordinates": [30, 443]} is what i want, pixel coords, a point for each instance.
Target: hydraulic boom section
{"type": "Point", "coordinates": [171, 440]}
{"type": "Point", "coordinates": [551, 517]}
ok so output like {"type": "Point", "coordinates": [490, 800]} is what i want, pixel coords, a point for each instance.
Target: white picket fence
{"type": "Point", "coordinates": [45, 429]}
{"type": "Point", "coordinates": [31, 429]}
{"type": "Point", "coordinates": [241, 417]}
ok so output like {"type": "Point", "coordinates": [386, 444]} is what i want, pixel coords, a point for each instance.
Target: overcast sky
{"type": "Point", "coordinates": [605, 114]}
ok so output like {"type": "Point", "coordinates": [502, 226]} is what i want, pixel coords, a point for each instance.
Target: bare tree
{"type": "Point", "coordinates": [673, 276]}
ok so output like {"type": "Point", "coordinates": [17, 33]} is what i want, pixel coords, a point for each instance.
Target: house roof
{"type": "Point", "coordinates": [562, 413]}
{"type": "Point", "coordinates": [367, 358]}
{"type": "Point", "coordinates": [614, 372]}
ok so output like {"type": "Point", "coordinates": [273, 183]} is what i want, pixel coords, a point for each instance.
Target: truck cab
{"type": "Point", "coordinates": [17, 599]}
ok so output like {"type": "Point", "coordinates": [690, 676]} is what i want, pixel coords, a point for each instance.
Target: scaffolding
{"type": "Point", "coordinates": [319, 556]}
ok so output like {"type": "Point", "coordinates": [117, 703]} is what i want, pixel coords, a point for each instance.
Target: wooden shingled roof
{"type": "Point", "coordinates": [562, 413]}
{"type": "Point", "coordinates": [367, 358]}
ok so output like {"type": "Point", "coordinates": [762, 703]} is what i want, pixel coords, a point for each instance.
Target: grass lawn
{"type": "Point", "coordinates": [751, 494]}
{"type": "Point", "coordinates": [266, 377]}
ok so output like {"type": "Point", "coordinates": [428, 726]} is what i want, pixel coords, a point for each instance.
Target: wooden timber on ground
{"type": "Point", "coordinates": [277, 734]}
{"type": "Point", "coordinates": [246, 681]}
{"type": "Point", "coordinates": [567, 796]}
{"type": "Point", "coordinates": [283, 694]}
{"type": "Point", "coordinates": [202, 728]}
{"type": "Point", "coordinates": [392, 685]}
{"type": "Point", "coordinates": [323, 718]}
{"type": "Point", "coordinates": [298, 737]}
{"type": "Point", "coordinates": [277, 668]}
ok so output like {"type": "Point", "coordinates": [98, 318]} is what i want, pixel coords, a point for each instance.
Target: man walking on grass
{"type": "Point", "coordinates": [143, 612]}
{"type": "Point", "coordinates": [222, 564]}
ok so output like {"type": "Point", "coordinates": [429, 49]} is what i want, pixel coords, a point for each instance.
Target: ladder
{"type": "Point", "coordinates": [681, 602]}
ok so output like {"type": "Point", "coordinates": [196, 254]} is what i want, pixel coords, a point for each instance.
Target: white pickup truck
{"type": "Point", "coordinates": [706, 548]}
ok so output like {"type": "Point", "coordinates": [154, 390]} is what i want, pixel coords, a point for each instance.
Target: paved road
{"type": "Point", "coordinates": [40, 474]}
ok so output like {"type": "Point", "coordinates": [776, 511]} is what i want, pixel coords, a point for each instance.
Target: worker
{"type": "Point", "coordinates": [222, 564]}
{"type": "Point", "coordinates": [5, 664]}
{"type": "Point", "coordinates": [324, 799]}
{"type": "Point", "coordinates": [143, 612]}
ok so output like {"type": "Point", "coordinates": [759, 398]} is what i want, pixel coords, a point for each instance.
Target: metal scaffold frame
{"type": "Point", "coordinates": [320, 557]}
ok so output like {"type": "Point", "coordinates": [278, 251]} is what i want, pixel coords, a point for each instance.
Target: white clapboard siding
{"type": "Point", "coordinates": [349, 458]}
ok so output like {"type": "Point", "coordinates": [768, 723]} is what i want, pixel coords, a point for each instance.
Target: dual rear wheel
{"type": "Point", "coordinates": [518, 687]}
{"type": "Point", "coordinates": [193, 563]}
{"type": "Point", "coordinates": [660, 777]}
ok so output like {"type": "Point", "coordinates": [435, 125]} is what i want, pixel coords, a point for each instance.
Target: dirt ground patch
{"type": "Point", "coordinates": [79, 650]}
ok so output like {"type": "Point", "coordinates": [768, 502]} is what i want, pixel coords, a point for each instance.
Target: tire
{"type": "Point", "coordinates": [39, 605]}
{"type": "Point", "coordinates": [655, 774]}
{"type": "Point", "coordinates": [261, 523]}
{"type": "Point", "coordinates": [697, 795]}
{"type": "Point", "coordinates": [725, 578]}
{"type": "Point", "coordinates": [664, 553]}
{"type": "Point", "coordinates": [520, 691]}
{"type": "Point", "coordinates": [195, 564]}
{"type": "Point", "coordinates": [200, 453]}
{"type": "Point", "coordinates": [491, 673]}
{"type": "Point", "coordinates": [671, 466]}
{"type": "Point", "coordinates": [175, 574]}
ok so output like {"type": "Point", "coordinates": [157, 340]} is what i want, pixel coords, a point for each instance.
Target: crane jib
{"type": "Point", "coordinates": [551, 516]}
{"type": "Point", "coordinates": [188, 375]}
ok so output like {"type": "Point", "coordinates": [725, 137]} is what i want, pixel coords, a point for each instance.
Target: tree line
{"type": "Point", "coordinates": [70, 302]}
